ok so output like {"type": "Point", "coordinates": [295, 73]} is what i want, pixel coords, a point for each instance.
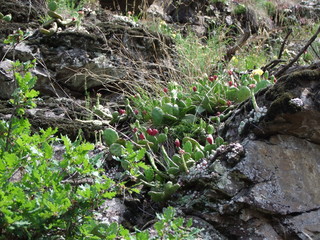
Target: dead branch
{"type": "Point", "coordinates": [284, 68]}
{"type": "Point", "coordinates": [241, 42]}
{"type": "Point", "coordinates": [284, 43]}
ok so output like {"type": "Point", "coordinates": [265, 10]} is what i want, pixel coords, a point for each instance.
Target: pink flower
{"type": "Point", "coordinates": [252, 85]}
{"type": "Point", "coordinates": [181, 151]}
{"type": "Point", "coordinates": [194, 88]}
{"type": "Point", "coordinates": [210, 139]}
{"type": "Point", "coordinates": [141, 136]}
{"type": "Point", "coordinates": [218, 113]}
{"type": "Point", "coordinates": [165, 90]}
{"type": "Point", "coordinates": [121, 111]}
{"type": "Point", "coordinates": [177, 143]}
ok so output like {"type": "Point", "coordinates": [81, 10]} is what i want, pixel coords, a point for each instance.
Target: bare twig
{"type": "Point", "coordinates": [272, 64]}
{"type": "Point", "coordinates": [241, 42]}
{"type": "Point", "coordinates": [284, 68]}
{"type": "Point", "coordinates": [284, 43]}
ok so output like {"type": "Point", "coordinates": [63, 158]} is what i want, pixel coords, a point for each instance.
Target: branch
{"type": "Point", "coordinates": [242, 41]}
{"type": "Point", "coordinates": [284, 43]}
{"type": "Point", "coordinates": [283, 69]}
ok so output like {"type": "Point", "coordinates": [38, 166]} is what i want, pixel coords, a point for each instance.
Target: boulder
{"type": "Point", "coordinates": [264, 184]}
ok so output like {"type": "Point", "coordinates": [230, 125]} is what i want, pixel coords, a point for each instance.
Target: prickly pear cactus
{"type": "Point", "coordinates": [110, 136]}
{"type": "Point", "coordinates": [116, 149]}
{"type": "Point", "coordinates": [157, 116]}
{"type": "Point", "coordinates": [52, 5]}
{"type": "Point", "coordinates": [6, 18]}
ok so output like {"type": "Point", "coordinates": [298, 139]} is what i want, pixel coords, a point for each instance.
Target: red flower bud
{"type": "Point", "coordinates": [194, 88]}
{"type": "Point", "coordinates": [213, 78]}
{"type": "Point", "coordinates": [230, 72]}
{"type": "Point", "coordinates": [252, 85]}
{"type": "Point", "coordinates": [154, 132]}
{"type": "Point", "coordinates": [141, 136]}
{"type": "Point", "coordinates": [229, 103]}
{"type": "Point", "coordinates": [136, 112]}
{"type": "Point", "coordinates": [177, 143]}
{"type": "Point", "coordinates": [230, 83]}
{"type": "Point", "coordinates": [135, 130]}
{"type": "Point", "coordinates": [210, 139]}
{"type": "Point", "coordinates": [150, 131]}
{"type": "Point", "coordinates": [121, 111]}
{"type": "Point", "coordinates": [165, 90]}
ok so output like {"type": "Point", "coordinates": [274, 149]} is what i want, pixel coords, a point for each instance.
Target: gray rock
{"type": "Point", "coordinates": [265, 185]}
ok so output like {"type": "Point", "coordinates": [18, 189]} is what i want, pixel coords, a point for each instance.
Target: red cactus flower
{"type": "Point", "coordinates": [230, 83]}
{"type": "Point", "coordinates": [165, 90]}
{"type": "Point", "coordinates": [194, 88]}
{"type": "Point", "coordinates": [121, 111]}
{"type": "Point", "coordinates": [210, 139]}
{"type": "Point", "coordinates": [141, 136]}
{"type": "Point", "coordinates": [177, 143]}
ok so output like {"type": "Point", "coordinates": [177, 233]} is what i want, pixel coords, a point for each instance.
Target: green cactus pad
{"type": "Point", "coordinates": [7, 18]}
{"type": "Point", "coordinates": [52, 5]}
{"type": "Point", "coordinates": [262, 84]}
{"type": "Point", "coordinates": [162, 138]}
{"type": "Point", "coordinates": [157, 116]}
{"type": "Point", "coordinates": [116, 149]}
{"type": "Point", "coordinates": [110, 136]}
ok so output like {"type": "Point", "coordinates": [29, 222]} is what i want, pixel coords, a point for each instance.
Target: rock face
{"type": "Point", "coordinates": [265, 184]}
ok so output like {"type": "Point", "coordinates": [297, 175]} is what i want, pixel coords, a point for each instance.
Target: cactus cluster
{"type": "Point", "coordinates": [50, 27]}
{"type": "Point", "coordinates": [6, 18]}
